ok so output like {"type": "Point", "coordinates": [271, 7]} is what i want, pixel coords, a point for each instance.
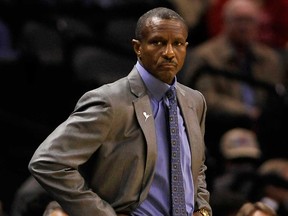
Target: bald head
{"type": "Point", "coordinates": [241, 21]}
{"type": "Point", "coordinates": [244, 8]}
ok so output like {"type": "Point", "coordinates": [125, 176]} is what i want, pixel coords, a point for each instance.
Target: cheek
{"type": "Point", "coordinates": [150, 58]}
{"type": "Point", "coordinates": [181, 57]}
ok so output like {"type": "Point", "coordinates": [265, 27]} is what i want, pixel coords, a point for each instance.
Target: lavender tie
{"type": "Point", "coordinates": [177, 189]}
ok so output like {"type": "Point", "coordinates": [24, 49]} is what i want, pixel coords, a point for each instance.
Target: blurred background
{"type": "Point", "coordinates": [52, 51]}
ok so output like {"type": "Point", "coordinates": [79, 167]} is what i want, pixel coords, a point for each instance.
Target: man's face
{"type": "Point", "coordinates": [242, 25]}
{"type": "Point", "coordinates": [162, 50]}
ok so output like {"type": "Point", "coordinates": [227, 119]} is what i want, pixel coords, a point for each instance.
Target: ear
{"type": "Point", "coordinates": [137, 47]}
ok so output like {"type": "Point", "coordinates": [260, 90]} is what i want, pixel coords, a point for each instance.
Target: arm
{"type": "Point", "coordinates": [57, 161]}
{"type": "Point", "coordinates": [202, 194]}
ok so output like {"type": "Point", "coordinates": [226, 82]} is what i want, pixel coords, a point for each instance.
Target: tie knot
{"type": "Point", "coordinates": [171, 93]}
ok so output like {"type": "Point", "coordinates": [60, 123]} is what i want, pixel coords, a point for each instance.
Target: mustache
{"type": "Point", "coordinates": [170, 61]}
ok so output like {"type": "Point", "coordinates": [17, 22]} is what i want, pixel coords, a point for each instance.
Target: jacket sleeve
{"type": "Point", "coordinates": [202, 194]}
{"type": "Point", "coordinates": [55, 164]}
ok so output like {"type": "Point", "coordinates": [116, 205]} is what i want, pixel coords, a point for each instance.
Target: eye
{"type": "Point", "coordinates": [157, 43]}
{"type": "Point", "coordinates": [178, 43]}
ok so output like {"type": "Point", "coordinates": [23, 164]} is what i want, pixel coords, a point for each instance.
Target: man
{"type": "Point", "coordinates": [236, 74]}
{"type": "Point", "coordinates": [110, 157]}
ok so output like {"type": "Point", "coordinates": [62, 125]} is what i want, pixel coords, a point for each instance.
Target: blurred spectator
{"type": "Point", "coordinates": [235, 73]}
{"type": "Point", "coordinates": [273, 21]}
{"type": "Point", "coordinates": [241, 157]}
{"type": "Point", "coordinates": [255, 209]}
{"type": "Point", "coordinates": [239, 143]}
{"type": "Point", "coordinates": [273, 25]}
{"type": "Point", "coordinates": [271, 187]}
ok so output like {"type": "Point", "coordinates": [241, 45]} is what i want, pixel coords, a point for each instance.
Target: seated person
{"type": "Point", "coordinates": [241, 156]}
{"type": "Point", "coordinates": [235, 73]}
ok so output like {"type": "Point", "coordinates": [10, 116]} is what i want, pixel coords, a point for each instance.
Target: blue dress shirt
{"type": "Point", "coordinates": [158, 199]}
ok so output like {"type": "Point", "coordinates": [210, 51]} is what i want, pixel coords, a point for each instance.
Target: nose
{"type": "Point", "coordinates": [169, 51]}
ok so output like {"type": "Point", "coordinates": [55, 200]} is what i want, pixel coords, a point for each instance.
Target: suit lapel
{"type": "Point", "coordinates": [191, 125]}
{"type": "Point", "coordinates": [145, 119]}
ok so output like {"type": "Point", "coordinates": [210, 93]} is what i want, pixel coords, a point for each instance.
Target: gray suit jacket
{"type": "Point", "coordinates": [107, 131]}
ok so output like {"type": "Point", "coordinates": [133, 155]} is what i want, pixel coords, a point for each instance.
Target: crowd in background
{"type": "Point", "coordinates": [53, 51]}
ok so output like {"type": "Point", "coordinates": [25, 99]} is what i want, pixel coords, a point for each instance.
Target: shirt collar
{"type": "Point", "coordinates": [156, 87]}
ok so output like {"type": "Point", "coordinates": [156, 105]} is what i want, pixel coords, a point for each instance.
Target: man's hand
{"type": "Point", "coordinates": [197, 214]}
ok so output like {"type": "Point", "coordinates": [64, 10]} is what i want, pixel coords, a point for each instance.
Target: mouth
{"type": "Point", "coordinates": [168, 65]}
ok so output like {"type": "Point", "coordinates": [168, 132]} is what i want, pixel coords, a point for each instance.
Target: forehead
{"type": "Point", "coordinates": [242, 9]}
{"type": "Point", "coordinates": [157, 25]}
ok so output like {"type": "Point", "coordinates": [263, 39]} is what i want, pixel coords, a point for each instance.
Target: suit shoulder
{"type": "Point", "coordinates": [193, 93]}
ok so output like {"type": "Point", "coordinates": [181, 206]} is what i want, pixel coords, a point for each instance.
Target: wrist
{"type": "Point", "coordinates": [203, 212]}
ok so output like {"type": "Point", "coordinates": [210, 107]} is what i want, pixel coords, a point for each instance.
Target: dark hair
{"type": "Point", "coordinates": [160, 12]}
